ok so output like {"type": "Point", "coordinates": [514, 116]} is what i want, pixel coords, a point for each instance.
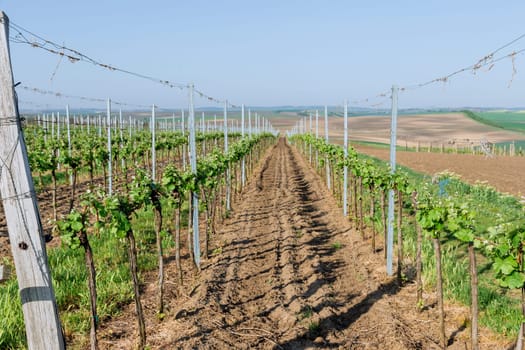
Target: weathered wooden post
{"type": "Point", "coordinates": [243, 165]}
{"type": "Point", "coordinates": [326, 160]}
{"type": "Point", "coordinates": [228, 180]}
{"type": "Point", "coordinates": [42, 323]}
{"type": "Point", "coordinates": [110, 167]}
{"type": "Point", "coordinates": [194, 193]}
{"type": "Point", "coordinates": [393, 143]}
{"type": "Point", "coordinates": [184, 144]}
{"type": "Point", "coordinates": [345, 168]}
{"type": "Point", "coordinates": [153, 127]}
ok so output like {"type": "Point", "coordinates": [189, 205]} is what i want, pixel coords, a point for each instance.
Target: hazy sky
{"type": "Point", "coordinates": [273, 52]}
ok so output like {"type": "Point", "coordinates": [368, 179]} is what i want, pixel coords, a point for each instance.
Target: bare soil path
{"type": "Point", "coordinates": [289, 272]}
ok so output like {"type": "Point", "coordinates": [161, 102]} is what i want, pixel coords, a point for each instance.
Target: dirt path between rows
{"type": "Point", "coordinates": [291, 273]}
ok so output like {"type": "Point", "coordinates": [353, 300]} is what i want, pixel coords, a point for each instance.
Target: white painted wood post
{"type": "Point", "coordinates": [130, 127]}
{"type": "Point", "coordinates": [46, 127]}
{"type": "Point", "coordinates": [243, 172]}
{"type": "Point", "coordinates": [249, 122]}
{"type": "Point", "coordinates": [53, 125]}
{"type": "Point", "coordinates": [327, 162]}
{"type": "Point", "coordinates": [228, 182]}
{"type": "Point", "coordinates": [317, 136]}
{"type": "Point", "coordinates": [58, 139]}
{"type": "Point", "coordinates": [390, 222]}
{"type": "Point", "coordinates": [100, 125]}
{"type": "Point", "coordinates": [195, 194]}
{"type": "Point", "coordinates": [5, 273]}
{"type": "Point", "coordinates": [203, 148]}
{"type": "Point", "coordinates": [316, 123]}
{"type": "Point", "coordinates": [120, 123]}
{"type": "Point", "coordinates": [310, 132]}
{"type": "Point", "coordinates": [42, 323]}
{"type": "Point", "coordinates": [183, 134]}
{"type": "Point", "coordinates": [345, 168]}
{"type": "Point", "coordinates": [153, 150]}
{"type": "Point", "coordinates": [110, 170]}
{"type": "Point", "coordinates": [58, 125]}
{"type": "Point", "coordinates": [182, 122]}
{"type": "Point", "coordinates": [69, 141]}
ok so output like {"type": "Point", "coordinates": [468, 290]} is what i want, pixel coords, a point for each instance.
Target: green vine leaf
{"type": "Point", "coordinates": [514, 280]}
{"type": "Point", "coordinates": [505, 266]}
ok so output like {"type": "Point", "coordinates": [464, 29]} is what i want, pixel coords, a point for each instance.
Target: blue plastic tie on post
{"type": "Point", "coordinates": [442, 190]}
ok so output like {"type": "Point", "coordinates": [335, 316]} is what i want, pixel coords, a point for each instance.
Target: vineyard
{"type": "Point", "coordinates": [282, 257]}
{"type": "Point", "coordinates": [166, 231]}
{"type": "Point", "coordinates": [73, 174]}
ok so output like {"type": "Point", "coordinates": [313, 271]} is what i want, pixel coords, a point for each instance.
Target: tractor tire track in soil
{"type": "Point", "coordinates": [289, 272]}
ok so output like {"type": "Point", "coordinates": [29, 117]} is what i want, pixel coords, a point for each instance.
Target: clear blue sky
{"type": "Point", "coordinates": [273, 52]}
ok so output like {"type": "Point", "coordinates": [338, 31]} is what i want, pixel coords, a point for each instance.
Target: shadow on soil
{"type": "Point", "coordinates": [342, 321]}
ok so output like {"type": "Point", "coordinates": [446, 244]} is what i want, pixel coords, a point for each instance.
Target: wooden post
{"type": "Point", "coordinates": [58, 125]}
{"type": "Point", "coordinates": [345, 168]}
{"type": "Point", "coordinates": [327, 162]}
{"type": "Point", "coordinates": [5, 273]}
{"type": "Point", "coordinates": [153, 147]}
{"type": "Point", "coordinates": [110, 170]}
{"type": "Point", "coordinates": [249, 122]}
{"type": "Point", "coordinates": [393, 143]}
{"type": "Point", "coordinates": [99, 125]}
{"type": "Point", "coordinates": [194, 194]}
{"type": "Point", "coordinates": [53, 126]}
{"type": "Point", "coordinates": [39, 307]}
{"type": "Point", "coordinates": [184, 151]}
{"type": "Point", "coordinates": [69, 142]}
{"type": "Point", "coordinates": [130, 127]}
{"type": "Point", "coordinates": [243, 165]}
{"type": "Point", "coordinates": [228, 180]}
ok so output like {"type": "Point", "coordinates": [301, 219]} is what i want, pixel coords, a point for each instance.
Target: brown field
{"type": "Point", "coordinates": [446, 128]}
{"type": "Point", "coordinates": [503, 173]}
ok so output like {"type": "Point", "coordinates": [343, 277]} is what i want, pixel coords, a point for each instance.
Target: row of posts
{"type": "Point", "coordinates": [53, 122]}
{"type": "Point", "coordinates": [300, 127]}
